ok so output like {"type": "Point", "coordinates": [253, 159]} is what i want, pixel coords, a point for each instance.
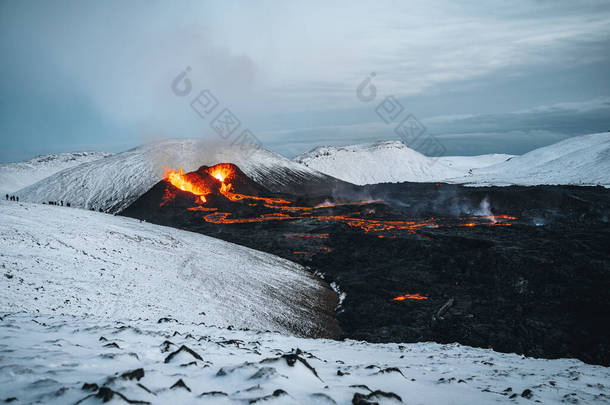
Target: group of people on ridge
{"type": "Point", "coordinates": [61, 202]}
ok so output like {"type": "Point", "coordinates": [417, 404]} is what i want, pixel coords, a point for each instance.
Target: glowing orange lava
{"type": "Point", "coordinates": [222, 218]}
{"type": "Point", "coordinates": [226, 173]}
{"type": "Point", "coordinates": [200, 208]}
{"type": "Point", "coordinates": [410, 297]}
{"type": "Point", "coordinates": [179, 180]}
{"type": "Point", "coordinates": [221, 172]}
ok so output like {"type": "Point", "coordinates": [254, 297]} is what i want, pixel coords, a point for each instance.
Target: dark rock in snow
{"type": "Point", "coordinates": [291, 360]}
{"type": "Point", "coordinates": [370, 399]}
{"type": "Point", "coordinates": [90, 387]}
{"type": "Point", "coordinates": [213, 394]}
{"type": "Point", "coordinates": [183, 348]}
{"type": "Point", "coordinates": [130, 375]}
{"type": "Point", "coordinates": [391, 370]}
{"type": "Point", "coordinates": [166, 345]}
{"type": "Point", "coordinates": [112, 345]}
{"type": "Point", "coordinates": [321, 397]}
{"type": "Point", "coordinates": [527, 393]}
{"type": "Point", "coordinates": [180, 384]}
{"type": "Point", "coordinates": [361, 386]}
{"type": "Point", "coordinates": [276, 394]}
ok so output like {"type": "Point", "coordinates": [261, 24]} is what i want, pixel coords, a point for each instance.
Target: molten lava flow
{"type": "Point", "coordinates": [410, 297]}
{"type": "Point", "coordinates": [179, 180]}
{"type": "Point", "coordinates": [200, 208]}
{"type": "Point", "coordinates": [222, 218]}
{"type": "Point", "coordinates": [225, 173]}
{"type": "Point", "coordinates": [222, 172]}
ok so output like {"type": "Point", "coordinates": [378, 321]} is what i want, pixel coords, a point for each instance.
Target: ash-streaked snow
{"type": "Point", "coordinates": [15, 176]}
{"type": "Point", "coordinates": [59, 260]}
{"type": "Point", "coordinates": [390, 162]}
{"type": "Point", "coordinates": [65, 359]}
{"type": "Point", "coordinates": [115, 182]}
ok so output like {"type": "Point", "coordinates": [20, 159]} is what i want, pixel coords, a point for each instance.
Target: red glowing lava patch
{"type": "Point", "coordinates": [410, 297]}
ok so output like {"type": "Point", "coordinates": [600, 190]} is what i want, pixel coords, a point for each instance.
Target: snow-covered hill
{"type": "Point", "coordinates": [64, 260]}
{"type": "Point", "coordinates": [75, 360]}
{"type": "Point", "coordinates": [15, 176]}
{"type": "Point", "coordinates": [116, 181]}
{"type": "Point", "coordinates": [390, 161]}
{"type": "Point", "coordinates": [582, 160]}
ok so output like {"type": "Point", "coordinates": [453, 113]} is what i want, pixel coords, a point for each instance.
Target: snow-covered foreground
{"type": "Point", "coordinates": [115, 182]}
{"type": "Point", "coordinates": [582, 160]}
{"type": "Point", "coordinates": [389, 162]}
{"type": "Point", "coordinates": [15, 176]}
{"type": "Point", "coordinates": [58, 260]}
{"type": "Point", "coordinates": [97, 308]}
{"type": "Point", "coordinates": [64, 359]}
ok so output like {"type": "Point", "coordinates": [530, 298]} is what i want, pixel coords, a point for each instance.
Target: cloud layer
{"type": "Point", "coordinates": [79, 74]}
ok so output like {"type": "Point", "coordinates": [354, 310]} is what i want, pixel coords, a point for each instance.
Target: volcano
{"type": "Point", "coordinates": [518, 269]}
{"type": "Point", "coordinates": [209, 189]}
{"type": "Point", "coordinates": [226, 195]}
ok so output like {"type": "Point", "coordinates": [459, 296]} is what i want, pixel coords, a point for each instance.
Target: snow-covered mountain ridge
{"type": "Point", "coordinates": [15, 176]}
{"type": "Point", "coordinates": [390, 161]}
{"type": "Point", "coordinates": [65, 260]}
{"type": "Point", "coordinates": [581, 160]}
{"type": "Point", "coordinates": [113, 183]}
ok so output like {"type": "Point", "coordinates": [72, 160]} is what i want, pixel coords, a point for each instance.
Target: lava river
{"type": "Point", "coordinates": [222, 180]}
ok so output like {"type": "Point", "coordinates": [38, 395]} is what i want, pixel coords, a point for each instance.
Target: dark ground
{"type": "Point", "coordinates": [540, 287]}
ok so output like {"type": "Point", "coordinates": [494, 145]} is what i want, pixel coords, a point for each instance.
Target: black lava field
{"type": "Point", "coordinates": [516, 269]}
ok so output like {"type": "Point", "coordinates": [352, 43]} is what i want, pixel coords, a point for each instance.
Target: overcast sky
{"type": "Point", "coordinates": [483, 77]}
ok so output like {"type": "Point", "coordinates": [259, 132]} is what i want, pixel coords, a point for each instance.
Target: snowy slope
{"type": "Point", "coordinates": [50, 359]}
{"type": "Point", "coordinates": [583, 160]}
{"type": "Point", "coordinates": [65, 260]}
{"type": "Point", "coordinates": [115, 182]}
{"type": "Point", "coordinates": [15, 176]}
{"type": "Point", "coordinates": [390, 161]}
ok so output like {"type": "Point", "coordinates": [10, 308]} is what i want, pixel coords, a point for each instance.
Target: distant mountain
{"type": "Point", "coordinates": [115, 182]}
{"type": "Point", "coordinates": [390, 161]}
{"type": "Point", "coordinates": [581, 160]}
{"type": "Point", "coordinates": [15, 176]}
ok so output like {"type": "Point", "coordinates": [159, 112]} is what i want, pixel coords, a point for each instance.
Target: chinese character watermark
{"type": "Point", "coordinates": [410, 130]}
{"type": "Point", "coordinates": [225, 123]}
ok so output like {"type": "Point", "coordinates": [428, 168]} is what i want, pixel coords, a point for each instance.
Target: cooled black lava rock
{"type": "Point", "coordinates": [133, 374]}
{"type": "Point", "coordinates": [539, 287]}
{"type": "Point", "coordinates": [180, 384]}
